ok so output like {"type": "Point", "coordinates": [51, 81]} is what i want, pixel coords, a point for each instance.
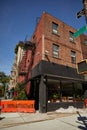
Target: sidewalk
{"type": "Point", "coordinates": [14, 119]}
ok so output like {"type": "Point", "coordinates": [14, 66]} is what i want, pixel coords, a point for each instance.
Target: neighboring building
{"type": "Point", "coordinates": [25, 64]}
{"type": "Point", "coordinates": [15, 68]}
{"type": "Point", "coordinates": [49, 69]}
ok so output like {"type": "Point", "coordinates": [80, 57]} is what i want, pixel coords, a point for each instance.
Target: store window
{"type": "Point", "coordinates": [79, 92]}
{"type": "Point", "coordinates": [54, 91]}
{"type": "Point", "coordinates": [55, 51]}
{"type": "Point", "coordinates": [73, 57]}
{"type": "Point", "coordinates": [67, 92]}
{"type": "Point", "coordinates": [72, 92]}
{"type": "Point", "coordinates": [64, 91]}
{"type": "Point", "coordinates": [54, 28]}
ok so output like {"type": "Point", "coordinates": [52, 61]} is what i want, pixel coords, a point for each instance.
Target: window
{"type": "Point", "coordinates": [71, 36]}
{"type": "Point", "coordinates": [73, 57]}
{"type": "Point", "coordinates": [55, 51]}
{"type": "Point", "coordinates": [55, 28]}
{"type": "Point", "coordinates": [85, 42]}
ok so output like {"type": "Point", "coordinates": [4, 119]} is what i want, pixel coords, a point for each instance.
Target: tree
{"type": "Point", "coordinates": [20, 92]}
{"type": "Point", "coordinates": [4, 79]}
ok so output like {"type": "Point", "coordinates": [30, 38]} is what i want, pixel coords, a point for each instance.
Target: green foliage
{"type": "Point", "coordinates": [55, 96]}
{"type": "Point", "coordinates": [21, 93]}
{"type": "Point", "coordinates": [4, 78]}
{"type": "Point", "coordinates": [1, 91]}
{"type": "Point", "coordinates": [19, 44]}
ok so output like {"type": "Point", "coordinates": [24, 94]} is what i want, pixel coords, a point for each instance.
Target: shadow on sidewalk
{"type": "Point", "coordinates": [2, 118]}
{"type": "Point", "coordinates": [83, 121]}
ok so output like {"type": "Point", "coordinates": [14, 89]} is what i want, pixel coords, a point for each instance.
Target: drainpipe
{"type": "Point", "coordinates": [43, 47]}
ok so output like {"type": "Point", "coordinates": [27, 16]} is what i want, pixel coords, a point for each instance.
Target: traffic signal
{"type": "Point", "coordinates": [82, 67]}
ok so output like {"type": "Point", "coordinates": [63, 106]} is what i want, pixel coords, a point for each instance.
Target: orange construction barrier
{"type": "Point", "coordinates": [9, 106]}
{"type": "Point", "coordinates": [86, 102]}
{"type": "Point", "coordinates": [25, 106]}
{"type": "Point", "coordinates": [0, 106]}
{"type": "Point", "coordinates": [18, 106]}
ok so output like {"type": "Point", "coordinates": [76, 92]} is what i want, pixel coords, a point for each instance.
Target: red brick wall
{"type": "Point", "coordinates": [44, 27]}
{"type": "Point", "coordinates": [25, 65]}
{"type": "Point", "coordinates": [84, 46]}
{"type": "Point", "coordinates": [37, 39]}
{"type": "Point", "coordinates": [21, 78]}
{"type": "Point", "coordinates": [62, 39]}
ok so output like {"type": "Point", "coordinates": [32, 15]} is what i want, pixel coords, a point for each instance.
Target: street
{"type": "Point", "coordinates": [75, 122]}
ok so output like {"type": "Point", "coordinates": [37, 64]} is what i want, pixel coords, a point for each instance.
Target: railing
{"type": "Point", "coordinates": [18, 106]}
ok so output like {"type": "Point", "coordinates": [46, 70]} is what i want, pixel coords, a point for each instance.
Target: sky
{"type": "Point", "coordinates": [18, 20]}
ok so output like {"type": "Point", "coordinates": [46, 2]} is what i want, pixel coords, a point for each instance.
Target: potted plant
{"type": "Point", "coordinates": [55, 97]}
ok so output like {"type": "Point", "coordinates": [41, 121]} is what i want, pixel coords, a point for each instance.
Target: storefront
{"type": "Point", "coordinates": [57, 86]}
{"type": "Point", "coordinates": [65, 93]}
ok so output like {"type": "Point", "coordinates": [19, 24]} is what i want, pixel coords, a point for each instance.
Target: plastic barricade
{"type": "Point", "coordinates": [0, 106]}
{"type": "Point", "coordinates": [9, 106]}
{"type": "Point", "coordinates": [18, 106]}
{"type": "Point", "coordinates": [25, 106]}
{"type": "Point", "coordinates": [86, 102]}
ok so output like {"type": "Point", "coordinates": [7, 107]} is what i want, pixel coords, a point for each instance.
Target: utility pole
{"type": "Point", "coordinates": [85, 7]}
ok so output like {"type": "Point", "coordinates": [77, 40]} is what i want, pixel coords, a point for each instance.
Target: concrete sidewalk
{"type": "Point", "coordinates": [14, 119]}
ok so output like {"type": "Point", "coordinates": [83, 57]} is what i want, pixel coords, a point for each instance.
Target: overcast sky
{"type": "Point", "coordinates": [18, 19]}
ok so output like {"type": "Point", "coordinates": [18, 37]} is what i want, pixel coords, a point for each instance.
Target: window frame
{"type": "Point", "coordinates": [54, 28]}
{"type": "Point", "coordinates": [85, 42]}
{"type": "Point", "coordinates": [55, 52]}
{"type": "Point", "coordinates": [71, 38]}
{"type": "Point", "coordinates": [73, 57]}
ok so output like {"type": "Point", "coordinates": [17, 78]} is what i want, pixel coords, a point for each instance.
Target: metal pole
{"type": "Point", "coordinates": [85, 7]}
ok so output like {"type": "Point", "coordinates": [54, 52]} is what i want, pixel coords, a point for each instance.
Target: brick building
{"type": "Point", "coordinates": [49, 65]}
{"type": "Point", "coordinates": [83, 42]}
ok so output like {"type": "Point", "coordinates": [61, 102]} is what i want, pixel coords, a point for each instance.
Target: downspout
{"type": "Point", "coordinates": [42, 46]}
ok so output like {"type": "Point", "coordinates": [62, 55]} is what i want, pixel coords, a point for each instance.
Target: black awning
{"type": "Point", "coordinates": [56, 77]}
{"type": "Point", "coordinates": [57, 71]}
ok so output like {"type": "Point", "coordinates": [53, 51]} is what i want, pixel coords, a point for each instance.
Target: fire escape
{"type": "Point", "coordinates": [26, 63]}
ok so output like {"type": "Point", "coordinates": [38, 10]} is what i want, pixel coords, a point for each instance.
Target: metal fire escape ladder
{"type": "Point", "coordinates": [29, 46]}
{"type": "Point", "coordinates": [22, 67]}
